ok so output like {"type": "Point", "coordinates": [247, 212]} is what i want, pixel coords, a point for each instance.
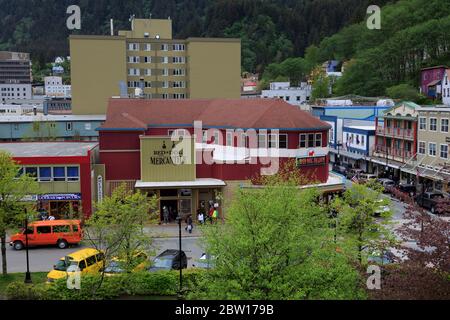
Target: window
{"type": "Point", "coordinates": [302, 143]}
{"type": "Point", "coordinates": [100, 256]}
{"type": "Point", "coordinates": [311, 140]}
{"type": "Point", "coordinates": [61, 229]}
{"type": "Point", "coordinates": [72, 174]}
{"type": "Point", "coordinates": [283, 141]}
{"type": "Point", "coordinates": [87, 126]}
{"type": "Point", "coordinates": [288, 98]}
{"type": "Point", "coordinates": [59, 173]}
{"type": "Point", "coordinates": [178, 72]}
{"type": "Point", "coordinates": [229, 141]}
{"type": "Point", "coordinates": [134, 72]}
{"type": "Point", "coordinates": [148, 59]}
{"type": "Point", "coordinates": [90, 261]}
{"type": "Point", "coordinates": [422, 123]}
{"type": "Point", "coordinates": [31, 171]}
{"type": "Point", "coordinates": [262, 140]}
{"type": "Point", "coordinates": [164, 47]}
{"type": "Point", "coordinates": [68, 126]}
{"type": "Point", "coordinates": [82, 265]}
{"type": "Point", "coordinates": [133, 59]}
{"type": "Point", "coordinates": [318, 141]}
{"type": "Point", "coordinates": [421, 147]}
{"type": "Point", "coordinates": [444, 151]}
{"type": "Point", "coordinates": [178, 84]}
{"type": "Point", "coordinates": [165, 72]}
{"type": "Point", "coordinates": [178, 47]}
{"type": "Point", "coordinates": [179, 59]}
{"type": "Point", "coordinates": [444, 125]}
{"type": "Point", "coordinates": [133, 46]}
{"type": "Point", "coordinates": [45, 174]}
{"type": "Point", "coordinates": [147, 47]}
{"type": "Point", "coordinates": [179, 96]}
{"type": "Point", "coordinates": [165, 84]}
{"type": "Point", "coordinates": [433, 124]}
{"type": "Point", "coordinates": [362, 140]}
{"type": "Point", "coordinates": [272, 140]}
{"type": "Point", "coordinates": [432, 149]}
{"type": "Point", "coordinates": [44, 229]}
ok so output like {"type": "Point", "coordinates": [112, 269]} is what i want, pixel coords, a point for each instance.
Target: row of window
{"type": "Point", "coordinates": [46, 174]}
{"type": "Point", "coordinates": [161, 47]}
{"type": "Point", "coordinates": [159, 84]}
{"type": "Point", "coordinates": [446, 92]}
{"type": "Point", "coordinates": [432, 149]}
{"type": "Point", "coordinates": [271, 140]}
{"type": "Point", "coordinates": [149, 59]}
{"type": "Point", "coordinates": [161, 72]}
{"type": "Point", "coordinates": [433, 124]}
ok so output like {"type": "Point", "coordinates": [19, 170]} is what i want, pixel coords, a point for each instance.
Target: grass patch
{"type": "Point", "coordinates": [36, 277]}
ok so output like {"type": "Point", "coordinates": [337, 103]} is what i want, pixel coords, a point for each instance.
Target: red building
{"type": "Point", "coordinates": [431, 79]}
{"type": "Point", "coordinates": [63, 171]}
{"type": "Point", "coordinates": [233, 141]}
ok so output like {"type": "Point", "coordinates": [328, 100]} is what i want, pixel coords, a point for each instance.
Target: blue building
{"type": "Point", "coordinates": [50, 127]}
{"type": "Point", "coordinates": [352, 133]}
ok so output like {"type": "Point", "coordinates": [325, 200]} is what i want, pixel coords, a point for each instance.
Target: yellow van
{"type": "Point", "coordinates": [88, 261]}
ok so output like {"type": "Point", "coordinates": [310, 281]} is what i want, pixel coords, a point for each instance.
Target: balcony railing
{"type": "Point", "coordinates": [392, 153]}
{"type": "Point", "coordinates": [395, 132]}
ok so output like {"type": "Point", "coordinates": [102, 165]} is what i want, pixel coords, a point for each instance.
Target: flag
{"type": "Point", "coordinates": [355, 179]}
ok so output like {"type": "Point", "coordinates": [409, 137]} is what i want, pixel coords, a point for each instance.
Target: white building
{"type": "Point", "coordinates": [296, 96]}
{"type": "Point", "coordinates": [15, 76]}
{"type": "Point", "coordinates": [20, 109]}
{"type": "Point", "coordinates": [55, 88]}
{"type": "Point", "coordinates": [446, 88]}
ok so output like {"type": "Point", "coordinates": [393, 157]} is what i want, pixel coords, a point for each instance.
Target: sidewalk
{"type": "Point", "coordinates": [171, 230]}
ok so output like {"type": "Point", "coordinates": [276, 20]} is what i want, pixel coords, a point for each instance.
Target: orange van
{"type": "Point", "coordinates": [49, 232]}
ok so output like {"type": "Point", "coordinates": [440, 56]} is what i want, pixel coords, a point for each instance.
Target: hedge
{"type": "Point", "coordinates": [161, 283]}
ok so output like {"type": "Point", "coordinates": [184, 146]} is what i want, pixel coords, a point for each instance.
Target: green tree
{"type": "Point", "coordinates": [276, 244]}
{"type": "Point", "coordinates": [117, 226]}
{"type": "Point", "coordinates": [403, 91]}
{"type": "Point", "coordinates": [13, 189]}
{"type": "Point", "coordinates": [359, 228]}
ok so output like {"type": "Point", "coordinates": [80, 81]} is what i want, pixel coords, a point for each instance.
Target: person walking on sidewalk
{"type": "Point", "coordinates": [189, 226]}
{"type": "Point", "coordinates": [201, 218]}
{"type": "Point", "coordinates": [166, 215]}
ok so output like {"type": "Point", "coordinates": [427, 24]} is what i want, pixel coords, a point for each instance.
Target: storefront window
{"type": "Point", "coordinates": [31, 171]}
{"type": "Point", "coordinates": [168, 192]}
{"type": "Point", "coordinates": [185, 207]}
{"type": "Point", "coordinates": [45, 174]}
{"type": "Point", "coordinates": [59, 174]}
{"type": "Point", "coordinates": [72, 174]}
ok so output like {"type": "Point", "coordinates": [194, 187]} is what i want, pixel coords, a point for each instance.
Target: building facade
{"type": "Point", "coordinates": [430, 83]}
{"type": "Point", "coordinates": [15, 75]}
{"type": "Point", "coordinates": [446, 88]}
{"type": "Point", "coordinates": [432, 164]}
{"type": "Point", "coordinates": [296, 96]}
{"type": "Point", "coordinates": [146, 62]}
{"type": "Point", "coordinates": [50, 128]}
{"type": "Point", "coordinates": [396, 139]}
{"type": "Point", "coordinates": [54, 87]}
{"type": "Point", "coordinates": [228, 143]}
{"type": "Point", "coordinates": [63, 171]}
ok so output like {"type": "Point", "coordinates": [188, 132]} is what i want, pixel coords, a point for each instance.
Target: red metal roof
{"type": "Point", "coordinates": [234, 113]}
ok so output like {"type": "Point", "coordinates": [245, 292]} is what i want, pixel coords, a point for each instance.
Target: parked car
{"type": "Point", "coordinates": [364, 177]}
{"type": "Point", "coordinates": [407, 188]}
{"type": "Point", "coordinates": [87, 261]}
{"type": "Point", "coordinates": [116, 265]}
{"type": "Point", "coordinates": [169, 260]}
{"type": "Point", "coordinates": [429, 200]}
{"type": "Point", "coordinates": [387, 184]}
{"type": "Point", "coordinates": [61, 233]}
{"type": "Point", "coordinates": [206, 261]}
{"type": "Point", "coordinates": [340, 169]}
{"type": "Point", "coordinates": [381, 258]}
{"type": "Point", "coordinates": [354, 172]}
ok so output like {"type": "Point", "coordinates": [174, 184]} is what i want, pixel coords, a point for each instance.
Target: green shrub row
{"type": "Point", "coordinates": [161, 283]}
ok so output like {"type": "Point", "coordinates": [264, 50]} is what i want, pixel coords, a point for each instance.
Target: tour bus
{"type": "Point", "coordinates": [49, 232]}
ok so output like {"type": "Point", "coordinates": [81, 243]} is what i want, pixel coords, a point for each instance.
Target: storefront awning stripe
{"type": "Point", "coordinates": [180, 184]}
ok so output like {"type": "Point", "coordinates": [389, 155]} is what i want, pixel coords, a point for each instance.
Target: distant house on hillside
{"type": "Point", "coordinates": [430, 81]}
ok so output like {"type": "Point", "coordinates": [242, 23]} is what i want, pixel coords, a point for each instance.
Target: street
{"type": "Point", "coordinates": [43, 258]}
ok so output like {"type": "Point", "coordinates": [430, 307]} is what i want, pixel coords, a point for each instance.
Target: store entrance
{"type": "Point", "coordinates": [172, 206]}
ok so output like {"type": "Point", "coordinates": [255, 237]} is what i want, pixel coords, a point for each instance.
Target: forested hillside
{"type": "Point", "coordinates": [414, 34]}
{"type": "Point", "coordinates": [271, 30]}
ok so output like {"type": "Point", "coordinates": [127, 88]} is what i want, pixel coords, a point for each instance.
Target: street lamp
{"type": "Point", "coordinates": [180, 260]}
{"type": "Point", "coordinates": [27, 274]}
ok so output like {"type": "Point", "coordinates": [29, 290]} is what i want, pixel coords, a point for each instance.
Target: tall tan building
{"type": "Point", "coordinates": [150, 64]}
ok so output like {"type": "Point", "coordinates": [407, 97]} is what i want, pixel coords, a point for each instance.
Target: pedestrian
{"type": "Point", "coordinates": [165, 215]}
{"type": "Point", "coordinates": [210, 214]}
{"type": "Point", "coordinates": [189, 226]}
{"type": "Point", "coordinates": [201, 218]}
{"type": "Point", "coordinates": [215, 215]}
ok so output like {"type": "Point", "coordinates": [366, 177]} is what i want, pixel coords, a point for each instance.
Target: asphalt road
{"type": "Point", "coordinates": [43, 258]}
